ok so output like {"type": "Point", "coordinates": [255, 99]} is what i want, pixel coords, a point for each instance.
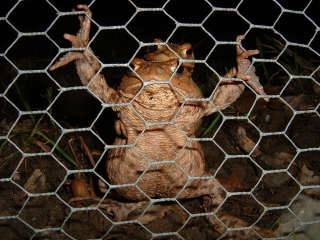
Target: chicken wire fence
{"type": "Point", "coordinates": [294, 210]}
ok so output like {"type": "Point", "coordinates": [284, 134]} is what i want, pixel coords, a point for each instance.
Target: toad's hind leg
{"type": "Point", "coordinates": [213, 197]}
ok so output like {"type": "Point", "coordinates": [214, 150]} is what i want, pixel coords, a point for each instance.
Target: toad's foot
{"type": "Point", "coordinates": [213, 198]}
{"type": "Point", "coordinates": [233, 222]}
{"type": "Point", "coordinates": [245, 70]}
{"type": "Point", "coordinates": [129, 211]}
{"type": "Point", "coordinates": [123, 211]}
{"type": "Point", "coordinates": [79, 41]}
{"type": "Point", "coordinates": [120, 128]}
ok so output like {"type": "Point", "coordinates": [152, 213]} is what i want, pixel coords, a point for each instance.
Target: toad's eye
{"type": "Point", "coordinates": [189, 52]}
{"type": "Point", "coordinates": [153, 48]}
{"type": "Point", "coordinates": [180, 70]}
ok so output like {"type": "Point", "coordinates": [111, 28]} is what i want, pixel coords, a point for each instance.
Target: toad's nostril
{"type": "Point", "coordinates": [180, 69]}
{"type": "Point", "coordinates": [129, 71]}
{"type": "Point", "coordinates": [189, 52]}
{"type": "Point", "coordinates": [153, 48]}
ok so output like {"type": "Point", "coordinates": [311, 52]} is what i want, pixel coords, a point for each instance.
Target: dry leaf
{"type": "Point", "coordinates": [36, 182]}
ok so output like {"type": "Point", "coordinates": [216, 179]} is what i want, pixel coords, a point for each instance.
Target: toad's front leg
{"type": "Point", "coordinates": [245, 70]}
{"type": "Point", "coordinates": [87, 65]}
{"type": "Point", "coordinates": [229, 92]}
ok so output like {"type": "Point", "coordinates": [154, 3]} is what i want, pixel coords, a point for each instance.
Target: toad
{"type": "Point", "coordinates": [157, 104]}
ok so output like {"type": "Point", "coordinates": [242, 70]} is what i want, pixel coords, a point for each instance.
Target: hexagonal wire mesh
{"type": "Point", "coordinates": [284, 151]}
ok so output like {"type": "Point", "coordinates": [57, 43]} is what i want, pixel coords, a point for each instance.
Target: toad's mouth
{"type": "Point", "coordinates": [134, 83]}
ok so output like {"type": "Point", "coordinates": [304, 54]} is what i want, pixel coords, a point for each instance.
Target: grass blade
{"type": "Point", "coordinates": [58, 148]}
{"type": "Point", "coordinates": [212, 124]}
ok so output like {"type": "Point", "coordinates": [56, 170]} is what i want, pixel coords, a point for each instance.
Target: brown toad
{"type": "Point", "coordinates": [159, 125]}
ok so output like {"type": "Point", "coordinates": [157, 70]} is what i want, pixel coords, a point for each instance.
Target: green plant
{"type": "Point", "coordinates": [32, 131]}
{"type": "Point", "coordinates": [49, 97]}
{"type": "Point", "coordinates": [215, 120]}
{"type": "Point", "coordinates": [294, 235]}
{"type": "Point", "coordinates": [293, 61]}
{"type": "Point", "coordinates": [24, 100]}
{"type": "Point", "coordinates": [269, 71]}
